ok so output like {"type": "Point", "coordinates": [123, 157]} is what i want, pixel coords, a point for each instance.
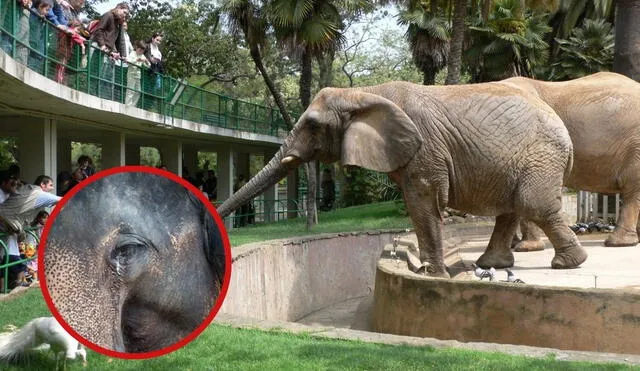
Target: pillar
{"type": "Point", "coordinates": [38, 148]}
{"type": "Point", "coordinates": [225, 177]}
{"type": "Point", "coordinates": [270, 196]}
{"type": "Point", "coordinates": [171, 155]}
{"type": "Point", "coordinates": [114, 150]}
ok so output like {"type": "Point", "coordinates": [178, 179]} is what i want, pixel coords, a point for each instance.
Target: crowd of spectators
{"type": "Point", "coordinates": [24, 209]}
{"type": "Point", "coordinates": [117, 60]}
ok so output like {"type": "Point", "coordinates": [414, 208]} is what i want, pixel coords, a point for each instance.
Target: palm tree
{"type": "Point", "coordinates": [589, 50]}
{"type": "Point", "coordinates": [505, 45]}
{"type": "Point", "coordinates": [428, 35]}
{"type": "Point", "coordinates": [457, 38]}
{"type": "Point", "coordinates": [248, 17]}
{"type": "Point", "coordinates": [626, 58]}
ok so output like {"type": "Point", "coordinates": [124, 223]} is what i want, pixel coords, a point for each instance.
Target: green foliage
{"type": "Point", "coordinates": [505, 45]}
{"type": "Point", "coordinates": [589, 50]}
{"type": "Point", "coordinates": [207, 161]}
{"type": "Point", "coordinates": [362, 186]}
{"type": "Point", "coordinates": [93, 150]}
{"type": "Point", "coordinates": [428, 35]}
{"type": "Point", "coordinates": [8, 152]}
{"type": "Point", "coordinates": [150, 156]}
{"type": "Point", "coordinates": [194, 43]}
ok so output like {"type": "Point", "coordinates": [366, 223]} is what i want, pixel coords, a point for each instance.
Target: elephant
{"type": "Point", "coordinates": [134, 262]}
{"type": "Point", "coordinates": [487, 149]}
{"type": "Point", "coordinates": [600, 112]}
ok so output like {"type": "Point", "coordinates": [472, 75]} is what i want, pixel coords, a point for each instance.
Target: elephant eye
{"type": "Point", "coordinates": [129, 256]}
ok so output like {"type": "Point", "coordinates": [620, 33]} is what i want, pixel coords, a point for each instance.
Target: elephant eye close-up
{"type": "Point", "coordinates": [129, 257]}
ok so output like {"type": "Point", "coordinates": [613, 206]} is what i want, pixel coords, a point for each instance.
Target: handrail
{"type": "Point", "coordinates": [54, 54]}
{"type": "Point", "coordinates": [4, 267]}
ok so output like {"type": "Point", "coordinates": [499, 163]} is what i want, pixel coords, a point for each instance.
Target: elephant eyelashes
{"type": "Point", "coordinates": [129, 256]}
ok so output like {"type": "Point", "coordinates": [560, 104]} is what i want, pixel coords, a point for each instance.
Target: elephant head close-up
{"type": "Point", "coordinates": [134, 262]}
{"type": "Point", "coordinates": [487, 149]}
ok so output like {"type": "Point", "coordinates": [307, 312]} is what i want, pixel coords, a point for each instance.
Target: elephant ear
{"type": "Point", "coordinates": [380, 136]}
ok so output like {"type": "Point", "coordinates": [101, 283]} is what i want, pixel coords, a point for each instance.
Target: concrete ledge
{"type": "Point", "coordinates": [601, 320]}
{"type": "Point", "coordinates": [287, 279]}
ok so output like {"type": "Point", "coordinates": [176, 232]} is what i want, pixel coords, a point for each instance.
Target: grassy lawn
{"type": "Point", "coordinates": [384, 215]}
{"type": "Point", "coordinates": [225, 348]}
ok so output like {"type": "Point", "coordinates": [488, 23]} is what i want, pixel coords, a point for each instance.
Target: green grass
{"type": "Point", "coordinates": [226, 348]}
{"type": "Point", "coordinates": [384, 215]}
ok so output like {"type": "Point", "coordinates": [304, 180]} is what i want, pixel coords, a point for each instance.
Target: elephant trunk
{"type": "Point", "coordinates": [268, 176]}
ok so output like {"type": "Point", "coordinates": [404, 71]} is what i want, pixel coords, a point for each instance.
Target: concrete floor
{"type": "Point", "coordinates": [605, 268]}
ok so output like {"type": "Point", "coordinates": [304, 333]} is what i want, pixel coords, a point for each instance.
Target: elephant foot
{"type": "Point", "coordinates": [495, 259]}
{"type": "Point", "coordinates": [528, 245]}
{"type": "Point", "coordinates": [515, 241]}
{"type": "Point", "coordinates": [620, 237]}
{"type": "Point", "coordinates": [570, 257]}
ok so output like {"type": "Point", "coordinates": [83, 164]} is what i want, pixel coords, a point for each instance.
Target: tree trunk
{"type": "Point", "coordinates": [457, 38]}
{"type": "Point", "coordinates": [325, 64]}
{"type": "Point", "coordinates": [429, 76]}
{"type": "Point", "coordinates": [626, 58]}
{"type": "Point", "coordinates": [277, 97]}
{"type": "Point", "coordinates": [305, 100]}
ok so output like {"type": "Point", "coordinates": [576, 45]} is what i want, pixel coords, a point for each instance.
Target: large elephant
{"type": "Point", "coordinates": [601, 113]}
{"type": "Point", "coordinates": [487, 149]}
{"type": "Point", "coordinates": [134, 262]}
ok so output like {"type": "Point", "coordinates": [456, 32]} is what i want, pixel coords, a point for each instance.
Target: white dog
{"type": "Point", "coordinates": [41, 333]}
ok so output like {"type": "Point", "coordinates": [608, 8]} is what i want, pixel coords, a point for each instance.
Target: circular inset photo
{"type": "Point", "coordinates": [136, 262]}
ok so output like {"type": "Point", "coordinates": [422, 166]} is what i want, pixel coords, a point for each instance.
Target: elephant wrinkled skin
{"type": "Point", "coordinates": [134, 262]}
{"type": "Point", "coordinates": [487, 149]}
{"type": "Point", "coordinates": [602, 114]}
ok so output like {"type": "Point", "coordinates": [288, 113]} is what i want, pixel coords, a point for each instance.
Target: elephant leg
{"type": "Point", "coordinates": [425, 213]}
{"type": "Point", "coordinates": [531, 237]}
{"type": "Point", "coordinates": [627, 226]}
{"type": "Point", "coordinates": [568, 251]}
{"type": "Point", "coordinates": [498, 253]}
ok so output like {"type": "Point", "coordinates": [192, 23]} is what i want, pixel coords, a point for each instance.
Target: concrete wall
{"type": "Point", "coordinates": [565, 318]}
{"type": "Point", "coordinates": [286, 280]}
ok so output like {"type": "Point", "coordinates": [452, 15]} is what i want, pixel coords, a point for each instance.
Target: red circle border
{"type": "Point", "coordinates": [223, 234]}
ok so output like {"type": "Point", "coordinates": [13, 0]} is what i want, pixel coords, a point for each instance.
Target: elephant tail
{"type": "Point", "coordinates": [569, 167]}
{"type": "Point", "coordinates": [14, 345]}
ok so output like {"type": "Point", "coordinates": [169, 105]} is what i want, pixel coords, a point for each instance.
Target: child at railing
{"type": "Point", "coordinates": [37, 34]}
{"type": "Point", "coordinates": [136, 59]}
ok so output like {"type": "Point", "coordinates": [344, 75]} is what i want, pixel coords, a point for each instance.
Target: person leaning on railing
{"type": "Point", "coordinates": [22, 11]}
{"type": "Point", "coordinates": [136, 59]}
{"type": "Point", "coordinates": [38, 34]}
{"type": "Point", "coordinates": [65, 16]}
{"type": "Point", "coordinates": [105, 37]}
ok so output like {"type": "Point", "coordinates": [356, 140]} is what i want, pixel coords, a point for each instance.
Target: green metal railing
{"type": "Point", "coordinates": [43, 48]}
{"type": "Point", "coordinates": [4, 262]}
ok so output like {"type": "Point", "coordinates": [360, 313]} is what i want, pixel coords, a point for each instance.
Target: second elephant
{"type": "Point", "coordinates": [602, 115]}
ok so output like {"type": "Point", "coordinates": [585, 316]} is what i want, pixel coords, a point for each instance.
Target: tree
{"type": "Point", "coordinates": [589, 50]}
{"type": "Point", "coordinates": [458, 28]}
{"type": "Point", "coordinates": [249, 18]}
{"type": "Point", "coordinates": [428, 35]}
{"type": "Point", "coordinates": [626, 58]}
{"type": "Point", "coordinates": [505, 45]}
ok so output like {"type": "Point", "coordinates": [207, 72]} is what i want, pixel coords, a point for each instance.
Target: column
{"type": "Point", "coordinates": [171, 155]}
{"type": "Point", "coordinates": [225, 177]}
{"type": "Point", "coordinates": [38, 148]}
{"type": "Point", "coordinates": [114, 150]}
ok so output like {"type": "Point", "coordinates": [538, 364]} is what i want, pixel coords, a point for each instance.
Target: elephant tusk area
{"type": "Point", "coordinates": [288, 160]}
